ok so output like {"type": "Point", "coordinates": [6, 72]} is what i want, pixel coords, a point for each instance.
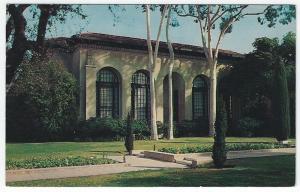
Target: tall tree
{"type": "Point", "coordinates": [151, 66]}
{"type": "Point", "coordinates": [16, 27]}
{"type": "Point", "coordinates": [207, 16]}
{"type": "Point", "coordinates": [170, 82]}
{"type": "Point", "coordinates": [281, 102]}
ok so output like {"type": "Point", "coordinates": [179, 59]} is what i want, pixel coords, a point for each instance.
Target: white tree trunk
{"type": "Point", "coordinates": [170, 131]}
{"type": "Point", "coordinates": [171, 65]}
{"type": "Point", "coordinates": [212, 99]}
{"type": "Point", "coordinates": [154, 135]}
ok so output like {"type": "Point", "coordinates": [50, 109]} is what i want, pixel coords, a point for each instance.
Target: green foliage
{"type": "Point", "coordinates": [188, 128]}
{"type": "Point", "coordinates": [141, 129]}
{"type": "Point", "coordinates": [129, 135]}
{"type": "Point", "coordinates": [101, 128]}
{"type": "Point", "coordinates": [252, 80]}
{"type": "Point", "coordinates": [283, 14]}
{"type": "Point", "coordinates": [110, 129]}
{"type": "Point", "coordinates": [52, 161]}
{"type": "Point", "coordinates": [228, 147]}
{"type": "Point", "coordinates": [281, 102]}
{"type": "Point", "coordinates": [219, 152]}
{"type": "Point", "coordinates": [248, 126]}
{"type": "Point", "coordinates": [42, 102]}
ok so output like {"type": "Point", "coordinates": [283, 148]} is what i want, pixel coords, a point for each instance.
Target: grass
{"type": "Point", "coordinates": [23, 151]}
{"type": "Point", "coordinates": [259, 171]}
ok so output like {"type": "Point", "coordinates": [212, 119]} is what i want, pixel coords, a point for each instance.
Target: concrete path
{"type": "Point", "coordinates": [203, 158]}
{"type": "Point", "coordinates": [133, 163]}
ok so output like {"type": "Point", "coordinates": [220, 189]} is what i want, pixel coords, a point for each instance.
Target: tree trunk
{"type": "Point", "coordinates": [42, 27]}
{"type": "Point", "coordinates": [212, 99]}
{"type": "Point", "coordinates": [14, 56]}
{"type": "Point", "coordinates": [171, 64]}
{"type": "Point", "coordinates": [153, 125]}
{"type": "Point", "coordinates": [154, 135]}
{"type": "Point", "coordinates": [170, 131]}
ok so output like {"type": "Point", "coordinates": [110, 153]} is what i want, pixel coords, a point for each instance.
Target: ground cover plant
{"type": "Point", "coordinates": [259, 171]}
{"type": "Point", "coordinates": [229, 147]}
{"type": "Point", "coordinates": [56, 162]}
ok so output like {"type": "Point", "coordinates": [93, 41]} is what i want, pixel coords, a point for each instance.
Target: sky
{"type": "Point", "coordinates": [132, 23]}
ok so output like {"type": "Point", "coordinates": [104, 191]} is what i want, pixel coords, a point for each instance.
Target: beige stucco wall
{"type": "Point", "coordinates": [127, 63]}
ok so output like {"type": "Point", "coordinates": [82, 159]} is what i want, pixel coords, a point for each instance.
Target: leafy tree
{"type": "Point", "coordinates": [281, 102]}
{"type": "Point", "coordinates": [42, 102]}
{"type": "Point", "coordinates": [252, 79]}
{"type": "Point", "coordinates": [219, 150]}
{"type": "Point", "coordinates": [19, 41]}
{"type": "Point", "coordinates": [208, 16]}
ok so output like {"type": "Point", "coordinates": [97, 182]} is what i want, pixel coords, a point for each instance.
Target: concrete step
{"type": "Point", "coordinates": [183, 162]}
{"type": "Point", "coordinates": [140, 155]}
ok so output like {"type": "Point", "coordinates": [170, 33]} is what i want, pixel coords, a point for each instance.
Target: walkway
{"type": "Point", "coordinates": [133, 163]}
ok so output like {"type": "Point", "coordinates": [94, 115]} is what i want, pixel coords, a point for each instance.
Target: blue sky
{"type": "Point", "coordinates": [132, 24]}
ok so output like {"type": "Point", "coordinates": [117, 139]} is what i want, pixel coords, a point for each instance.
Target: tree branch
{"type": "Point", "coordinates": [150, 51]}
{"type": "Point", "coordinates": [258, 13]}
{"type": "Point", "coordinates": [158, 35]}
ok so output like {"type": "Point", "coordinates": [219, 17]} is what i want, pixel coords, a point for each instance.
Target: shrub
{"type": "Point", "coordinates": [110, 129]}
{"type": "Point", "coordinates": [163, 129]}
{"type": "Point", "coordinates": [56, 162]}
{"type": "Point", "coordinates": [247, 126]}
{"type": "Point", "coordinates": [141, 129]}
{"type": "Point", "coordinates": [101, 128]}
{"type": "Point", "coordinates": [281, 102]}
{"type": "Point", "coordinates": [42, 102]}
{"type": "Point", "coordinates": [219, 152]}
{"type": "Point", "coordinates": [229, 147]}
{"type": "Point", "coordinates": [129, 135]}
{"type": "Point", "coordinates": [191, 128]}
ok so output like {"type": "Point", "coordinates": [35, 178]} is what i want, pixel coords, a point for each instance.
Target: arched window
{"type": "Point", "coordinates": [108, 89]}
{"type": "Point", "coordinates": [140, 95]}
{"type": "Point", "coordinates": [199, 98]}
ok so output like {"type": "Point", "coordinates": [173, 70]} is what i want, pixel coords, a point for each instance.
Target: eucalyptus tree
{"type": "Point", "coordinates": [151, 65]}
{"type": "Point", "coordinates": [170, 71]}
{"type": "Point", "coordinates": [208, 16]}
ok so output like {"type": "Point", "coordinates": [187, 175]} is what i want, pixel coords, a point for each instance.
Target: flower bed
{"type": "Point", "coordinates": [56, 162]}
{"type": "Point", "coordinates": [229, 147]}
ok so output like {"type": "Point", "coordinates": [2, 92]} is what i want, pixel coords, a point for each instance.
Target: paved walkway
{"type": "Point", "coordinates": [206, 157]}
{"type": "Point", "coordinates": [133, 163]}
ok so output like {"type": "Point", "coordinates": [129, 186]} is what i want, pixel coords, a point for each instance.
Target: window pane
{"type": "Point", "coordinates": [108, 94]}
{"type": "Point", "coordinates": [140, 86]}
{"type": "Point", "coordinates": [199, 97]}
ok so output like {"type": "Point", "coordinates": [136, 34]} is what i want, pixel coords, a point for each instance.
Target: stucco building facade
{"type": "Point", "coordinates": [113, 77]}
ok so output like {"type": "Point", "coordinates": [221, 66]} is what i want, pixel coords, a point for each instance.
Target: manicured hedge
{"type": "Point", "coordinates": [229, 147]}
{"type": "Point", "coordinates": [56, 162]}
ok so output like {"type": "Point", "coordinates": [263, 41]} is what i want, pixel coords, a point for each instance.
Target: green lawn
{"type": "Point", "coordinates": [260, 171]}
{"type": "Point", "coordinates": [19, 151]}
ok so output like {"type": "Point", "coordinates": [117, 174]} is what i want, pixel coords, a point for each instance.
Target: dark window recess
{"type": "Point", "coordinates": [107, 94]}
{"type": "Point", "coordinates": [140, 95]}
{"type": "Point", "coordinates": [199, 98]}
{"type": "Point", "coordinates": [175, 105]}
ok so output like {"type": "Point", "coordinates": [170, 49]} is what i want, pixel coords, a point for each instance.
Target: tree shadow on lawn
{"type": "Point", "coordinates": [247, 172]}
{"type": "Point", "coordinates": [194, 142]}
